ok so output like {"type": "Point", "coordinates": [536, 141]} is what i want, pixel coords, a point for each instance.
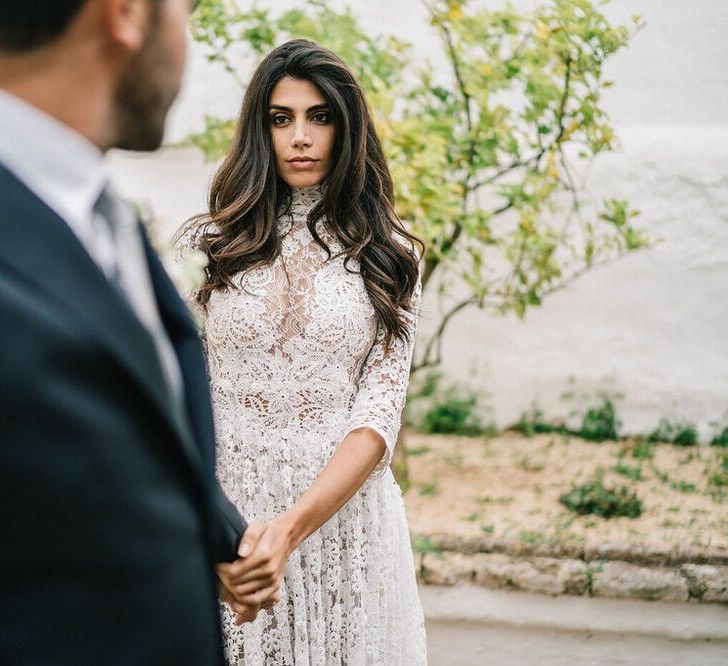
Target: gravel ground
{"type": "Point", "coordinates": [508, 486]}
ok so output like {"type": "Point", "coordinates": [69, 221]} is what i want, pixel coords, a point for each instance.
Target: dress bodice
{"type": "Point", "coordinates": [304, 316]}
{"type": "Point", "coordinates": [295, 345]}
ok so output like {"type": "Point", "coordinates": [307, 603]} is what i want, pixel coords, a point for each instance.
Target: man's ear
{"type": "Point", "coordinates": [127, 22]}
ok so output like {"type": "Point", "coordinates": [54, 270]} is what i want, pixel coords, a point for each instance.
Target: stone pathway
{"type": "Point", "coordinates": [469, 626]}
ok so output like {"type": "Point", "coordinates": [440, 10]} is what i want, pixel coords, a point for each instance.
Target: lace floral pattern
{"type": "Point", "coordinates": [295, 363]}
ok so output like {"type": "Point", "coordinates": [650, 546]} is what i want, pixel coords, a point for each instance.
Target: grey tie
{"type": "Point", "coordinates": [126, 266]}
{"type": "Point", "coordinates": [106, 223]}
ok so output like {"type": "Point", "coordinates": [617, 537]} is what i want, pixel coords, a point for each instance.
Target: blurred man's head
{"type": "Point", "coordinates": [123, 58]}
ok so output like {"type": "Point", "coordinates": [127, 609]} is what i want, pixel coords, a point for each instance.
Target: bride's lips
{"type": "Point", "coordinates": [302, 163]}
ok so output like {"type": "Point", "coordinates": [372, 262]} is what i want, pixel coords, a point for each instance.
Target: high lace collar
{"type": "Point", "coordinates": [303, 199]}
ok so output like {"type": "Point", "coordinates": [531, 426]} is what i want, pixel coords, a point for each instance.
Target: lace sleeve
{"type": "Point", "coordinates": [383, 385]}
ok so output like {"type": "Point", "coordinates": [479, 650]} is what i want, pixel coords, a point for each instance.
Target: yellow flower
{"type": "Point", "coordinates": [542, 31]}
{"type": "Point", "coordinates": [455, 10]}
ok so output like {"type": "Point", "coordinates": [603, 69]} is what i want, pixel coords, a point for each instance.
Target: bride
{"type": "Point", "coordinates": [310, 306]}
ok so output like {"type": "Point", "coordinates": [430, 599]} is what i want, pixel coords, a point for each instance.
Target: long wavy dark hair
{"type": "Point", "coordinates": [240, 232]}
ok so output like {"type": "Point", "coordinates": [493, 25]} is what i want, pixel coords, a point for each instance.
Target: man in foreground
{"type": "Point", "coordinates": [111, 518]}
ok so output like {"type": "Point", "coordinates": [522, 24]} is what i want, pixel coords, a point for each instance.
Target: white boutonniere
{"type": "Point", "coordinates": [184, 263]}
{"type": "Point", "coordinates": [186, 267]}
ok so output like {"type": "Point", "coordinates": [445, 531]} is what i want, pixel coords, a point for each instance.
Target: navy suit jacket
{"type": "Point", "coordinates": [111, 519]}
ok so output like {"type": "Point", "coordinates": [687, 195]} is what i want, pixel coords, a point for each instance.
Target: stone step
{"type": "Point", "coordinates": [555, 575]}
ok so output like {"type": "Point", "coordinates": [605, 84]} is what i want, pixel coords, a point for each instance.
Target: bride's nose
{"type": "Point", "coordinates": [301, 136]}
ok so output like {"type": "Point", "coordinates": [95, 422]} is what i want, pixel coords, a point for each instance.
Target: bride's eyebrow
{"type": "Point", "coordinates": [311, 109]}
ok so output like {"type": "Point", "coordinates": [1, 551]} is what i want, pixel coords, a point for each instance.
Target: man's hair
{"type": "Point", "coordinates": [28, 24]}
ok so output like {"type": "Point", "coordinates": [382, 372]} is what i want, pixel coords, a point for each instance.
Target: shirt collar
{"type": "Point", "coordinates": [59, 165]}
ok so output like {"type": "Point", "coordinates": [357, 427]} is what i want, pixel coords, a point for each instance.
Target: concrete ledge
{"type": "Point", "coordinates": [624, 552]}
{"type": "Point", "coordinates": [467, 603]}
{"type": "Point", "coordinates": [622, 580]}
{"type": "Point", "coordinates": [602, 575]}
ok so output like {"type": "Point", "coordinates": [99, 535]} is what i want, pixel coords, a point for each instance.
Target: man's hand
{"type": "Point", "coordinates": [242, 613]}
{"type": "Point", "coordinates": [254, 580]}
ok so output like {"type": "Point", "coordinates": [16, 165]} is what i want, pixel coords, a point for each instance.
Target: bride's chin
{"type": "Point", "coordinates": [300, 180]}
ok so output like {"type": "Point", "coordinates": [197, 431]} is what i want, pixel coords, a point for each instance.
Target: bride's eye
{"type": "Point", "coordinates": [322, 117]}
{"type": "Point", "coordinates": [279, 119]}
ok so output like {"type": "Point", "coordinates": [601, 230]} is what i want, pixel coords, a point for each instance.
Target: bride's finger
{"type": "Point", "coordinates": [252, 586]}
{"type": "Point", "coordinates": [250, 539]}
{"type": "Point", "coordinates": [242, 571]}
{"type": "Point", "coordinates": [262, 572]}
{"type": "Point", "coordinates": [268, 605]}
{"type": "Point", "coordinates": [263, 596]}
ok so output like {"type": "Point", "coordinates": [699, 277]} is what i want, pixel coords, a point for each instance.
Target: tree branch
{"type": "Point", "coordinates": [535, 159]}
{"type": "Point", "coordinates": [462, 88]}
{"type": "Point", "coordinates": [564, 99]}
{"type": "Point", "coordinates": [433, 350]}
{"type": "Point", "coordinates": [435, 341]}
{"type": "Point", "coordinates": [517, 164]}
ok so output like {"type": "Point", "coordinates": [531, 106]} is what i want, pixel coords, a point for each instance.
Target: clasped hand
{"type": "Point", "coordinates": [253, 581]}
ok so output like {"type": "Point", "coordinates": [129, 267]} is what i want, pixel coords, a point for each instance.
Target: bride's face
{"type": "Point", "coordinates": [302, 132]}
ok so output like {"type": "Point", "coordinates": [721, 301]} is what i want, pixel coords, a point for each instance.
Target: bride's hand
{"type": "Point", "coordinates": [247, 545]}
{"type": "Point", "coordinates": [255, 580]}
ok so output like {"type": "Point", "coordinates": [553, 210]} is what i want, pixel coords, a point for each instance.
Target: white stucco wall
{"type": "Point", "coordinates": [651, 327]}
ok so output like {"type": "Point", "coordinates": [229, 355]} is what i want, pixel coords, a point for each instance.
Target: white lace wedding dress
{"type": "Point", "coordinates": [296, 363]}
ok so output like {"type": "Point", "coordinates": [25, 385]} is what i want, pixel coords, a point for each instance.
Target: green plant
{"type": "Point", "coordinates": [425, 387]}
{"type": "Point", "coordinates": [419, 450]}
{"type": "Point", "coordinates": [686, 436]}
{"type": "Point", "coordinates": [721, 439]}
{"type": "Point", "coordinates": [662, 476]}
{"type": "Point", "coordinates": [684, 486]}
{"type": "Point", "coordinates": [719, 478]}
{"type": "Point", "coordinates": [530, 537]}
{"type": "Point", "coordinates": [595, 498]}
{"type": "Point", "coordinates": [495, 500]}
{"type": "Point", "coordinates": [424, 545]}
{"type": "Point", "coordinates": [488, 529]}
{"type": "Point", "coordinates": [453, 415]}
{"type": "Point", "coordinates": [443, 410]}
{"type": "Point", "coordinates": [526, 464]}
{"type": "Point", "coordinates": [532, 423]}
{"type": "Point", "coordinates": [591, 571]}
{"type": "Point", "coordinates": [679, 433]}
{"type": "Point", "coordinates": [634, 473]}
{"type": "Point", "coordinates": [422, 391]}
{"type": "Point", "coordinates": [600, 423]}
{"type": "Point", "coordinates": [428, 489]}
{"type": "Point", "coordinates": [643, 450]}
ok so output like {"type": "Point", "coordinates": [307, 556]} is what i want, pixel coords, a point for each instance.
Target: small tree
{"type": "Point", "coordinates": [482, 155]}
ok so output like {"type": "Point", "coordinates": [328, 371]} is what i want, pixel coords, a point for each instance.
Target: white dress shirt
{"type": "Point", "coordinates": [67, 172]}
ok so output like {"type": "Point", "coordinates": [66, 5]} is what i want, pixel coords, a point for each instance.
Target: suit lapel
{"type": "Point", "coordinates": [39, 245]}
{"type": "Point", "coordinates": [183, 335]}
